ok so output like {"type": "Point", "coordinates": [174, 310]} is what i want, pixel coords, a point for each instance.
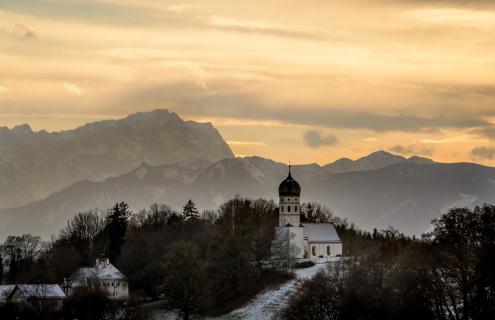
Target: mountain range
{"type": "Point", "coordinates": [378, 190]}
{"type": "Point", "coordinates": [35, 164]}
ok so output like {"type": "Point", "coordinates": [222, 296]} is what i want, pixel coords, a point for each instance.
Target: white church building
{"type": "Point", "coordinates": [317, 242]}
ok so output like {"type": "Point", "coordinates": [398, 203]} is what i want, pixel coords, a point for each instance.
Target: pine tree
{"type": "Point", "coordinates": [189, 211]}
{"type": "Point", "coordinates": [1, 269]}
{"type": "Point", "coordinates": [116, 227]}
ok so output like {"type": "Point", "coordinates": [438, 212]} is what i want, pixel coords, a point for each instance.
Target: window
{"type": "Point", "coordinates": [328, 250]}
{"type": "Point", "coordinates": [313, 251]}
{"type": "Point", "coordinates": [288, 208]}
{"type": "Point", "coordinates": [295, 208]}
{"type": "Point", "coordinates": [288, 199]}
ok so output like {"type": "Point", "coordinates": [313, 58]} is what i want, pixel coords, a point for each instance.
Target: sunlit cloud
{"type": "Point", "coordinates": [246, 143]}
{"type": "Point", "coordinates": [74, 89]}
{"type": "Point", "coordinates": [379, 80]}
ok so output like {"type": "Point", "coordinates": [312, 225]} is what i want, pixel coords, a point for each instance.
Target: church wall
{"type": "Point", "coordinates": [318, 250]}
{"type": "Point", "coordinates": [289, 240]}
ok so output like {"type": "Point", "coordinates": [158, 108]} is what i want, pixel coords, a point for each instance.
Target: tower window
{"type": "Point", "coordinates": [295, 208]}
{"type": "Point", "coordinates": [288, 208]}
{"type": "Point", "coordinates": [313, 250]}
{"type": "Point", "coordinates": [281, 208]}
{"type": "Point", "coordinates": [288, 199]}
{"type": "Point", "coordinates": [328, 250]}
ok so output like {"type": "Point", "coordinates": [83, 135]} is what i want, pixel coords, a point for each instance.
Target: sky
{"type": "Point", "coordinates": [300, 81]}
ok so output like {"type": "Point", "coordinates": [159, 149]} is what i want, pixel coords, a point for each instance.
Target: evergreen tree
{"type": "Point", "coordinates": [1, 269]}
{"type": "Point", "coordinates": [189, 211]}
{"type": "Point", "coordinates": [116, 227]}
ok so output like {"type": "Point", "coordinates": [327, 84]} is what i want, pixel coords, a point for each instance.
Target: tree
{"type": "Point", "coordinates": [90, 304]}
{"type": "Point", "coordinates": [115, 229]}
{"type": "Point", "coordinates": [21, 252]}
{"type": "Point", "coordinates": [189, 211]}
{"type": "Point", "coordinates": [184, 283]}
{"type": "Point", "coordinates": [315, 298]}
{"type": "Point", "coordinates": [81, 232]}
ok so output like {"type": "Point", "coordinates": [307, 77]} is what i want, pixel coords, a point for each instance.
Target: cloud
{"type": "Point", "coordinates": [484, 153]}
{"type": "Point", "coordinates": [245, 143]}
{"type": "Point", "coordinates": [413, 149]}
{"type": "Point", "coordinates": [189, 98]}
{"type": "Point", "coordinates": [252, 26]}
{"type": "Point", "coordinates": [74, 89]}
{"type": "Point", "coordinates": [487, 131]}
{"type": "Point", "coordinates": [18, 31]}
{"type": "Point", "coordinates": [315, 140]}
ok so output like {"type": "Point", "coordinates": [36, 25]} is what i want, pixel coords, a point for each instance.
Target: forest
{"type": "Point", "coordinates": [209, 263]}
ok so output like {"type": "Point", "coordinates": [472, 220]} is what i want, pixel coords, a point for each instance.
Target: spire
{"type": "Point", "coordinates": [289, 171]}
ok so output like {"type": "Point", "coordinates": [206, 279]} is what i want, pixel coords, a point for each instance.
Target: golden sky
{"type": "Point", "coordinates": [305, 81]}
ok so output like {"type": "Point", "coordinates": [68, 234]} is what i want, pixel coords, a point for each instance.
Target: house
{"type": "Point", "coordinates": [104, 275]}
{"type": "Point", "coordinates": [45, 296]}
{"type": "Point", "coordinates": [317, 242]}
{"type": "Point", "coordinates": [5, 292]}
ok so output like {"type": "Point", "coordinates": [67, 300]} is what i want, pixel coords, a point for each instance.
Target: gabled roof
{"type": "Point", "coordinates": [321, 233]}
{"type": "Point", "coordinates": [102, 272]}
{"type": "Point", "coordinates": [41, 291]}
{"type": "Point", "coordinates": [5, 291]}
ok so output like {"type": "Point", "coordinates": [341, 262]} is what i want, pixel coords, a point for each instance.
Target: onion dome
{"type": "Point", "coordinates": [289, 187]}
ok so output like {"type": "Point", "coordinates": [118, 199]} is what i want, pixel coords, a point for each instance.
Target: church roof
{"type": "Point", "coordinates": [289, 187]}
{"type": "Point", "coordinates": [321, 233]}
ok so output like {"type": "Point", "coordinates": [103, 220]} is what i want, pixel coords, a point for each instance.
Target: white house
{"type": "Point", "coordinates": [104, 275]}
{"type": "Point", "coordinates": [47, 296]}
{"type": "Point", "coordinates": [317, 242]}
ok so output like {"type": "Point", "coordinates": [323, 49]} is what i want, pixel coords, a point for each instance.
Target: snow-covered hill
{"type": "Point", "coordinates": [264, 306]}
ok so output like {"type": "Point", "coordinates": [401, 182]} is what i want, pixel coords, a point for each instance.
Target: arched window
{"type": "Point", "coordinates": [328, 250]}
{"type": "Point", "coordinates": [313, 250]}
{"type": "Point", "coordinates": [288, 208]}
{"type": "Point", "coordinates": [281, 208]}
{"type": "Point", "coordinates": [295, 208]}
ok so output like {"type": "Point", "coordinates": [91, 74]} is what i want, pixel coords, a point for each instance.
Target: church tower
{"type": "Point", "coordinates": [289, 233]}
{"type": "Point", "coordinates": [289, 193]}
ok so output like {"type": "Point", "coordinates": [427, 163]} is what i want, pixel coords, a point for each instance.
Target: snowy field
{"type": "Point", "coordinates": [266, 304]}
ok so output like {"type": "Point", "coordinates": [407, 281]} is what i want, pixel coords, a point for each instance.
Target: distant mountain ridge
{"type": "Point", "coordinates": [376, 160]}
{"type": "Point", "coordinates": [36, 164]}
{"type": "Point", "coordinates": [406, 194]}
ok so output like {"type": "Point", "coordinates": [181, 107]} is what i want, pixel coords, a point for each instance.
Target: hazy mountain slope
{"type": "Point", "coordinates": [376, 160]}
{"type": "Point", "coordinates": [407, 195]}
{"type": "Point", "coordinates": [35, 164]}
{"type": "Point", "coordinates": [140, 188]}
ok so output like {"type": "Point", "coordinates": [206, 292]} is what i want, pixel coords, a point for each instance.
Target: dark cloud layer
{"type": "Point", "coordinates": [484, 153]}
{"type": "Point", "coordinates": [315, 139]}
{"type": "Point", "coordinates": [187, 98]}
{"type": "Point", "coordinates": [413, 149]}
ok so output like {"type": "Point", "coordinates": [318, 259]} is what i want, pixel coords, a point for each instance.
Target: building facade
{"type": "Point", "coordinates": [104, 275]}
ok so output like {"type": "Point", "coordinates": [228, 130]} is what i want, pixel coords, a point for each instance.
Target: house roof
{"type": "Point", "coordinates": [321, 233]}
{"type": "Point", "coordinates": [5, 291]}
{"type": "Point", "coordinates": [101, 272]}
{"type": "Point", "coordinates": [41, 291]}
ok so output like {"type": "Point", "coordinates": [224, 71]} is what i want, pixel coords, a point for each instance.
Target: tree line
{"type": "Point", "coordinates": [446, 275]}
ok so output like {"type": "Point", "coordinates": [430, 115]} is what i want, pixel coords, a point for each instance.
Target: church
{"type": "Point", "coordinates": [318, 242]}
